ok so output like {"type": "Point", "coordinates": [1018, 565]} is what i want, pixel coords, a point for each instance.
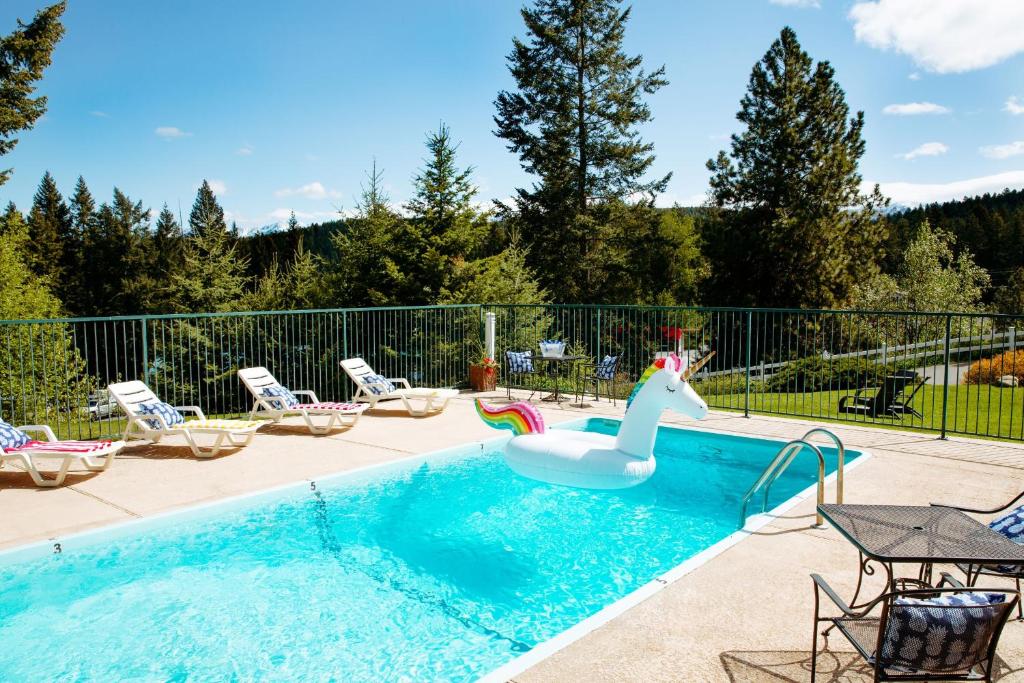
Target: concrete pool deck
{"type": "Point", "coordinates": [743, 616]}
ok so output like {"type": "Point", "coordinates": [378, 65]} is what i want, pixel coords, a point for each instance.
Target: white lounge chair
{"type": "Point", "coordinates": [149, 418]}
{"type": "Point", "coordinates": [372, 388]}
{"type": "Point", "coordinates": [92, 456]}
{"type": "Point", "coordinates": [274, 401]}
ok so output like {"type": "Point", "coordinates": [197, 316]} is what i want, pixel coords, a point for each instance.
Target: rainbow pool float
{"type": "Point", "coordinates": [599, 461]}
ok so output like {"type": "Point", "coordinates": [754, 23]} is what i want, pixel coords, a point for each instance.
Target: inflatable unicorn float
{"type": "Point", "coordinates": [599, 461]}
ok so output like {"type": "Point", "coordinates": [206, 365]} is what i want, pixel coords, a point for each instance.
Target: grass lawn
{"type": "Point", "coordinates": [973, 410]}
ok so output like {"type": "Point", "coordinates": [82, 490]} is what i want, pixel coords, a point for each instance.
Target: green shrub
{"type": "Point", "coordinates": [721, 385]}
{"type": "Point", "coordinates": [819, 374]}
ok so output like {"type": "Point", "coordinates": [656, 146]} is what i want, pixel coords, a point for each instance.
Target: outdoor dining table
{"type": "Point", "coordinates": [552, 370]}
{"type": "Point", "coordinates": [888, 535]}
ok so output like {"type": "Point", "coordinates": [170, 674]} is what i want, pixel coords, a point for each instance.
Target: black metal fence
{"type": "Point", "coordinates": [55, 371]}
{"type": "Point", "coordinates": [942, 372]}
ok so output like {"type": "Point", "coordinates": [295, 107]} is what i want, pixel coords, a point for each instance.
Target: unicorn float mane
{"type": "Point", "coordinates": [674, 363]}
{"type": "Point", "coordinates": [519, 418]}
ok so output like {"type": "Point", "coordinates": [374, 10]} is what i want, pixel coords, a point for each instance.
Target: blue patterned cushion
{"type": "Point", "coordinates": [932, 635]}
{"type": "Point", "coordinates": [11, 437]}
{"type": "Point", "coordinates": [170, 415]}
{"type": "Point", "coordinates": [519, 361]}
{"type": "Point", "coordinates": [288, 399]}
{"type": "Point", "coordinates": [378, 384]}
{"type": "Point", "coordinates": [606, 368]}
{"type": "Point", "coordinates": [1011, 525]}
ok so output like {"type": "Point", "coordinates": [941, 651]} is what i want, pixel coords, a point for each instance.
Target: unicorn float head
{"type": "Point", "coordinates": [589, 460]}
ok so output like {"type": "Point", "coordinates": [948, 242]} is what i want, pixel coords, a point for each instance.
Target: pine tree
{"type": "Point", "coordinates": [573, 122]}
{"type": "Point", "coordinates": [49, 224]}
{"type": "Point", "coordinates": [211, 277]}
{"type": "Point", "coordinates": [73, 286]}
{"type": "Point", "coordinates": [794, 229]}
{"type": "Point", "coordinates": [376, 254]}
{"type": "Point", "coordinates": [293, 222]}
{"type": "Point", "coordinates": [24, 55]}
{"type": "Point", "coordinates": [168, 244]}
{"type": "Point", "coordinates": [447, 225]}
{"type": "Point", "coordinates": [207, 214]}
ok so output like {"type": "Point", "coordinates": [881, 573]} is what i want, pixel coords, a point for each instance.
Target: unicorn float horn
{"type": "Point", "coordinates": [519, 418]}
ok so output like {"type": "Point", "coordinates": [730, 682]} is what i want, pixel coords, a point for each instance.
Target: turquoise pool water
{"type": "Point", "coordinates": [439, 568]}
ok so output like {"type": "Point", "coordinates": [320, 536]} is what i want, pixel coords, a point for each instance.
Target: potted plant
{"type": "Point", "coordinates": [483, 376]}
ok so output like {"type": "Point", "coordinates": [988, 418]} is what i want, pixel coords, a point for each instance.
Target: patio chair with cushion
{"type": "Point", "coordinates": [922, 634]}
{"type": "Point", "coordinates": [520, 372]}
{"type": "Point", "coordinates": [19, 449]}
{"type": "Point", "coordinates": [152, 419]}
{"type": "Point", "coordinates": [595, 375]}
{"type": "Point", "coordinates": [1011, 525]}
{"type": "Point", "coordinates": [372, 388]}
{"type": "Point", "coordinates": [273, 401]}
{"type": "Point", "coordinates": [885, 400]}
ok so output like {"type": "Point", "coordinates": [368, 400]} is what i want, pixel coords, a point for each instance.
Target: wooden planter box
{"type": "Point", "coordinates": [483, 379]}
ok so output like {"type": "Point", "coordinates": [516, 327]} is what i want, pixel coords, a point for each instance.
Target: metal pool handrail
{"type": "Point", "coordinates": [780, 463]}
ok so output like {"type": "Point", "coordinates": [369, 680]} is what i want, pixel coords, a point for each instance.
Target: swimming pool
{"type": "Point", "coordinates": [443, 566]}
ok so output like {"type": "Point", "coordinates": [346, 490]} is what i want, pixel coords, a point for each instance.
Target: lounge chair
{"type": "Point", "coordinates": [149, 418]}
{"type": "Point", "coordinates": [1010, 525]}
{"type": "Point", "coordinates": [921, 634]}
{"type": "Point", "coordinates": [17, 448]}
{"type": "Point", "coordinates": [886, 399]}
{"type": "Point", "coordinates": [372, 388]}
{"type": "Point", "coordinates": [273, 401]}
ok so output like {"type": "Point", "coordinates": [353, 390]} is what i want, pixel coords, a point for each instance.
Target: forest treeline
{"type": "Point", "coordinates": [786, 221]}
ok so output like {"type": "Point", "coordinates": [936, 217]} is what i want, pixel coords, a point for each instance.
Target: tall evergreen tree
{"type": "Point", "coordinates": [24, 55]}
{"type": "Point", "coordinates": [211, 277]}
{"type": "Point", "coordinates": [573, 122]}
{"type": "Point", "coordinates": [49, 224]}
{"type": "Point", "coordinates": [795, 229]}
{"type": "Point", "coordinates": [376, 253]}
{"type": "Point", "coordinates": [73, 287]}
{"type": "Point", "coordinates": [447, 224]}
{"type": "Point", "coordinates": [207, 214]}
{"type": "Point", "coordinates": [167, 243]}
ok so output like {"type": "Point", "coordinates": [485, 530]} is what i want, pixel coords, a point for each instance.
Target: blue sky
{"type": "Point", "coordinates": [284, 106]}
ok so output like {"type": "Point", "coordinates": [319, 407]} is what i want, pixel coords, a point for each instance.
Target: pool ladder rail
{"type": "Point", "coordinates": [782, 460]}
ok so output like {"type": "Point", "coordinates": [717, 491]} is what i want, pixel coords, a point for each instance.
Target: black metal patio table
{"type": "Point", "coordinates": [552, 370]}
{"type": "Point", "coordinates": [917, 534]}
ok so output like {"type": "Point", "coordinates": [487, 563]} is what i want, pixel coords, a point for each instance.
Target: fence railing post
{"type": "Point", "coordinates": [945, 374]}
{"type": "Point", "coordinates": [145, 347]}
{"type": "Point", "coordinates": [746, 392]}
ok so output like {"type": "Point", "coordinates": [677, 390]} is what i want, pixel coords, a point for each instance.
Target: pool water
{"type": "Point", "coordinates": [441, 568]}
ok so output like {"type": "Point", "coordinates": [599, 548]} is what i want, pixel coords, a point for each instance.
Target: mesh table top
{"type": "Point", "coordinates": [912, 533]}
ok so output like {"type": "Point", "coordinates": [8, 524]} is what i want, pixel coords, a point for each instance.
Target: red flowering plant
{"type": "Point", "coordinates": [489, 364]}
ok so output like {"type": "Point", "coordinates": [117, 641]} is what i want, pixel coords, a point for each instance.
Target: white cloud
{"type": "Point", "coordinates": [796, 3]}
{"type": "Point", "coordinates": [219, 187]}
{"type": "Point", "coordinates": [944, 36]}
{"type": "Point", "coordinates": [928, 149]}
{"type": "Point", "coordinates": [245, 150]}
{"type": "Point", "coordinates": [313, 190]}
{"type": "Point", "coordinates": [1003, 151]}
{"type": "Point", "coordinates": [100, 114]}
{"type": "Point", "coordinates": [914, 76]}
{"type": "Point", "coordinates": [914, 108]}
{"type": "Point", "coordinates": [171, 132]}
{"type": "Point", "coordinates": [912, 194]}
{"type": "Point", "coordinates": [1014, 106]}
